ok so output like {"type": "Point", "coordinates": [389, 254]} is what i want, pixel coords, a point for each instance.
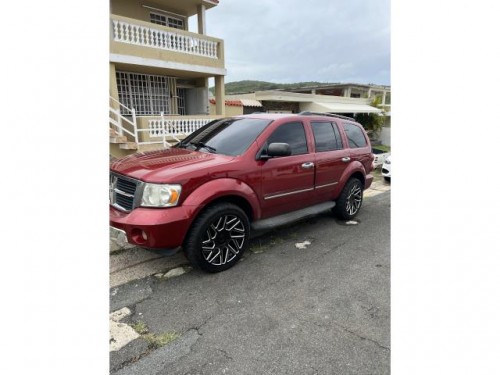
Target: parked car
{"type": "Point", "coordinates": [234, 175]}
{"type": "Point", "coordinates": [380, 156]}
{"type": "Point", "coordinates": [386, 169]}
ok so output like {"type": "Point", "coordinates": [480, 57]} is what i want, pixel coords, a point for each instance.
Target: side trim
{"type": "Point", "coordinates": [290, 217]}
{"type": "Point", "coordinates": [285, 194]}
{"type": "Point", "coordinates": [326, 185]}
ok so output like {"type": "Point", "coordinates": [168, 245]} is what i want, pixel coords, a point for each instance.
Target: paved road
{"type": "Point", "coordinates": [324, 309]}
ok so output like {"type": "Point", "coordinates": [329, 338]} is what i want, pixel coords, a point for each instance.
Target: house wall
{"type": "Point", "coordinates": [230, 110]}
{"type": "Point", "coordinates": [134, 9]}
{"type": "Point", "coordinates": [268, 105]}
{"type": "Point", "coordinates": [117, 152]}
{"type": "Point", "coordinates": [385, 136]}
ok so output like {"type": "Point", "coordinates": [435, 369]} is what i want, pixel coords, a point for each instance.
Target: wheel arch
{"type": "Point", "coordinates": [354, 170]}
{"type": "Point", "coordinates": [237, 200]}
{"type": "Point", "coordinates": [224, 190]}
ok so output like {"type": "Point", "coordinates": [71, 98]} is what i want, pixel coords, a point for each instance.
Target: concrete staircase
{"type": "Point", "coordinates": [121, 141]}
{"type": "Point", "coordinates": [120, 146]}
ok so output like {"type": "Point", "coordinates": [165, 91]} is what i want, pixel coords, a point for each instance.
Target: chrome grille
{"type": "Point", "coordinates": [122, 192]}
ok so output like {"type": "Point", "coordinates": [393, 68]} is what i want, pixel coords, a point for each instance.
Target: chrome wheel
{"type": "Point", "coordinates": [354, 197]}
{"type": "Point", "coordinates": [223, 240]}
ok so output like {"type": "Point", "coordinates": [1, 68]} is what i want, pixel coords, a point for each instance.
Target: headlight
{"type": "Point", "coordinates": [156, 195]}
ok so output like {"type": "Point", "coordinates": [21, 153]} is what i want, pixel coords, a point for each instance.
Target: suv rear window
{"type": "Point", "coordinates": [355, 135]}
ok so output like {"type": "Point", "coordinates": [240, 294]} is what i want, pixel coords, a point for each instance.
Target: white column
{"type": "Point", "coordinates": [201, 20]}
{"type": "Point", "coordinates": [220, 96]}
{"type": "Point", "coordinates": [383, 97]}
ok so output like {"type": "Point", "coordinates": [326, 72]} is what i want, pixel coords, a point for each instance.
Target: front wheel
{"type": "Point", "coordinates": [349, 202]}
{"type": "Point", "coordinates": [218, 238]}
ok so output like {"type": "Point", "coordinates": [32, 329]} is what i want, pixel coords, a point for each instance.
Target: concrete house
{"type": "Point", "coordinates": [159, 72]}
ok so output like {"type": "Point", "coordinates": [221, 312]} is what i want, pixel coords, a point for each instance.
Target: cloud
{"type": "Point", "coordinates": [298, 40]}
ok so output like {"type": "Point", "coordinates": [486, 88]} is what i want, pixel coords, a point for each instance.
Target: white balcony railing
{"type": "Point", "coordinates": [126, 32]}
{"type": "Point", "coordinates": [175, 127]}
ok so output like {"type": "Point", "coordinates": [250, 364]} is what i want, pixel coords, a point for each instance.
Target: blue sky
{"type": "Point", "coordinates": [304, 40]}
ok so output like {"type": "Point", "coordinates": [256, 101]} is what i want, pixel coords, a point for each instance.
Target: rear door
{"type": "Point", "coordinates": [288, 181]}
{"type": "Point", "coordinates": [331, 158]}
{"type": "Point", "coordinates": [359, 145]}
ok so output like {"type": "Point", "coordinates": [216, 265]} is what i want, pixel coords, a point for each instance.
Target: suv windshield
{"type": "Point", "coordinates": [225, 136]}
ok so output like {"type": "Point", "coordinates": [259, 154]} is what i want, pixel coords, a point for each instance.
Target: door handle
{"type": "Point", "coordinates": [346, 159]}
{"type": "Point", "coordinates": [307, 165]}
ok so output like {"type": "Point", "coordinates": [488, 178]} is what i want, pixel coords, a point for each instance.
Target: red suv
{"type": "Point", "coordinates": [235, 175]}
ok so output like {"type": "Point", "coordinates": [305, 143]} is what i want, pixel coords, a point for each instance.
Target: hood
{"type": "Point", "coordinates": [161, 166]}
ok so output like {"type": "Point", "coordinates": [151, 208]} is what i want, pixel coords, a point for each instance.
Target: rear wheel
{"type": "Point", "coordinates": [218, 238]}
{"type": "Point", "coordinates": [350, 200]}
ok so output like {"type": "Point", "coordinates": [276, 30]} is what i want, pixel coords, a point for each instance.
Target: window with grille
{"type": "Point", "coordinates": [166, 20]}
{"type": "Point", "coordinates": [181, 102]}
{"type": "Point", "coordinates": [150, 94]}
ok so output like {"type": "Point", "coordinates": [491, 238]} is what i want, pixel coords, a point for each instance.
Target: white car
{"type": "Point", "coordinates": [386, 168]}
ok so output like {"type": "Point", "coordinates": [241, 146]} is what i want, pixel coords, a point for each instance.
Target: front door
{"type": "Point", "coordinates": [288, 181]}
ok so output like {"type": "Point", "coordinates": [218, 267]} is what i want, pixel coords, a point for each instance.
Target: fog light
{"type": "Point", "coordinates": [139, 236]}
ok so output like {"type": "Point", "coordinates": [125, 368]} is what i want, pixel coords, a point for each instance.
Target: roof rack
{"type": "Point", "coordinates": [308, 113]}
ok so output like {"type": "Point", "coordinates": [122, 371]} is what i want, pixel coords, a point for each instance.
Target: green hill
{"type": "Point", "coordinates": [241, 87]}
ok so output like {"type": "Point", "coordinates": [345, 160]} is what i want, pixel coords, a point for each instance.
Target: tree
{"type": "Point", "coordinates": [372, 122]}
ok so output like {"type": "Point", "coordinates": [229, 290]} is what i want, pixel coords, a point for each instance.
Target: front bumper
{"type": "Point", "coordinates": [386, 170]}
{"type": "Point", "coordinates": [155, 228]}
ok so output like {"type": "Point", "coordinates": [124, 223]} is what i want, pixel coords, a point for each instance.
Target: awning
{"type": "Point", "coordinates": [240, 102]}
{"type": "Point", "coordinates": [341, 107]}
{"type": "Point", "coordinates": [250, 103]}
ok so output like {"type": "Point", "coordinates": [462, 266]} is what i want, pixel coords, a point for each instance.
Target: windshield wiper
{"type": "Point", "coordinates": [203, 145]}
{"type": "Point", "coordinates": [198, 145]}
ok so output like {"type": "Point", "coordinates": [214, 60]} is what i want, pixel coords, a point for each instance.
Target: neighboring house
{"type": "Point", "coordinates": [354, 90]}
{"type": "Point", "coordinates": [351, 90]}
{"type": "Point", "coordinates": [347, 99]}
{"type": "Point", "coordinates": [277, 101]}
{"type": "Point", "coordinates": [159, 72]}
{"type": "Point", "coordinates": [235, 107]}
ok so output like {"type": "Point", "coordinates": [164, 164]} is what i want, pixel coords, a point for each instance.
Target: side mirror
{"type": "Point", "coordinates": [279, 149]}
{"type": "Point", "coordinates": [276, 150]}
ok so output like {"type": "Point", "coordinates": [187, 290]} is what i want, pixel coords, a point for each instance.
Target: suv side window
{"type": "Point", "coordinates": [292, 133]}
{"type": "Point", "coordinates": [355, 135]}
{"type": "Point", "coordinates": [326, 136]}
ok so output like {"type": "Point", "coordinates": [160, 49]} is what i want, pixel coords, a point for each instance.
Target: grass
{"type": "Point", "coordinates": [157, 341]}
{"type": "Point", "coordinates": [140, 327]}
{"type": "Point", "coordinates": [382, 148]}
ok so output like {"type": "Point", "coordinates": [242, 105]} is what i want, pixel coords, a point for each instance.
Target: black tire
{"type": "Point", "coordinates": [349, 202]}
{"type": "Point", "coordinates": [218, 237]}
{"type": "Point", "coordinates": [388, 179]}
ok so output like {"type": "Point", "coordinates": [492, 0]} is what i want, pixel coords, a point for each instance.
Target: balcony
{"type": "Point", "coordinates": [142, 43]}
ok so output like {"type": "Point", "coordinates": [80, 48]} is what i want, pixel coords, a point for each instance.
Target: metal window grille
{"type": "Point", "coordinates": [148, 94]}
{"type": "Point", "coordinates": [181, 101]}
